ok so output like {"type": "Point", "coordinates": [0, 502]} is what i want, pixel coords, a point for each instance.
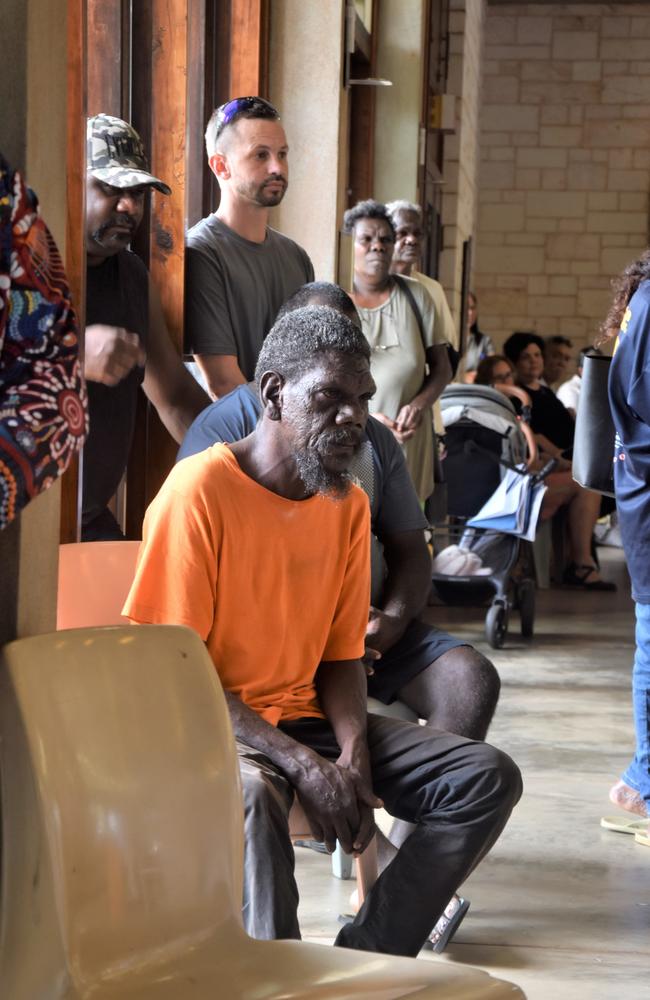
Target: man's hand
{"type": "Point", "coordinates": [338, 801]}
{"type": "Point", "coordinates": [110, 353]}
{"type": "Point", "coordinates": [383, 631]}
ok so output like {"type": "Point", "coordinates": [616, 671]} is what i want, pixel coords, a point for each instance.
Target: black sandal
{"type": "Point", "coordinates": [577, 576]}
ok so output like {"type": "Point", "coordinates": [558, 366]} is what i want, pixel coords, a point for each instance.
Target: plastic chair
{"type": "Point", "coordinates": [122, 838]}
{"type": "Point", "coordinates": [94, 579]}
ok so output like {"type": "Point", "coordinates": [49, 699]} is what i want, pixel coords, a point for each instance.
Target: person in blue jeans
{"type": "Point", "coordinates": [629, 393]}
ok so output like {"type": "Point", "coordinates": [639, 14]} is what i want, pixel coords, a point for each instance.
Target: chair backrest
{"type": "Point", "coordinates": [122, 820]}
{"type": "Point", "coordinates": [94, 579]}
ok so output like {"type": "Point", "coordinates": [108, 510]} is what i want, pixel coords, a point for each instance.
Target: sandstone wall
{"type": "Point", "coordinates": [565, 164]}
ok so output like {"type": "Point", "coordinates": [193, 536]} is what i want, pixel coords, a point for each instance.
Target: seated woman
{"type": "Point", "coordinates": [554, 427]}
{"type": "Point", "coordinates": [499, 373]}
{"type": "Point", "coordinates": [495, 371]}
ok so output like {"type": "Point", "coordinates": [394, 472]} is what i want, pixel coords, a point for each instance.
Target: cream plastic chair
{"type": "Point", "coordinates": [122, 838]}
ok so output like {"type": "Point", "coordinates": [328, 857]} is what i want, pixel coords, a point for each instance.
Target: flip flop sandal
{"type": "Point", "coordinates": [447, 927]}
{"type": "Point", "coordinates": [619, 825]}
{"type": "Point", "coordinates": [642, 837]}
{"type": "Point", "coordinates": [576, 576]}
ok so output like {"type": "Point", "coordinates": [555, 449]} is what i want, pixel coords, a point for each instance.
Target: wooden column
{"type": "Point", "coordinates": [75, 253]}
{"type": "Point", "coordinates": [105, 67]}
{"type": "Point", "coordinates": [167, 156]}
{"type": "Point", "coordinates": [160, 112]}
{"type": "Point", "coordinates": [249, 41]}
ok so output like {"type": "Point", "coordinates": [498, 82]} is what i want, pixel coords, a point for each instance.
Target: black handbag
{"type": "Point", "coordinates": [593, 447]}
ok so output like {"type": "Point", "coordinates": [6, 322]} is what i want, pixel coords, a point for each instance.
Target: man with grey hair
{"type": "Point", "coordinates": [262, 546]}
{"type": "Point", "coordinates": [239, 271]}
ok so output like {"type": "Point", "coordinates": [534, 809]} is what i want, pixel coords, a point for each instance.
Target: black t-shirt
{"type": "Point", "coordinates": [117, 294]}
{"type": "Point", "coordinates": [629, 395]}
{"type": "Point", "coordinates": [550, 417]}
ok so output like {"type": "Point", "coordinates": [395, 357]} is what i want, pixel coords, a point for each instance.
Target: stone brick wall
{"type": "Point", "coordinates": [565, 163]}
{"type": "Point", "coordinates": [461, 149]}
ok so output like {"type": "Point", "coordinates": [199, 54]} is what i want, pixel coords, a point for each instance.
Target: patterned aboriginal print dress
{"type": "Point", "coordinates": [43, 413]}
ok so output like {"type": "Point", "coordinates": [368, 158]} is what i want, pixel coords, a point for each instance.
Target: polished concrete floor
{"type": "Point", "coordinates": [560, 906]}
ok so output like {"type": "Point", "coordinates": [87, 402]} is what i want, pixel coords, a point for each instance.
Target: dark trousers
{"type": "Point", "coordinates": [458, 792]}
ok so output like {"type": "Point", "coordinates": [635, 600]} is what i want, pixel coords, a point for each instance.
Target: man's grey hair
{"type": "Point", "coordinates": [395, 207]}
{"type": "Point", "coordinates": [299, 337]}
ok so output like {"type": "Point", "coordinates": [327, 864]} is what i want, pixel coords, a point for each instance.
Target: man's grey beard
{"type": "Point", "coordinates": [317, 479]}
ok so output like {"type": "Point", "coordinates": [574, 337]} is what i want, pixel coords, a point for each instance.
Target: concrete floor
{"type": "Point", "coordinates": [560, 906]}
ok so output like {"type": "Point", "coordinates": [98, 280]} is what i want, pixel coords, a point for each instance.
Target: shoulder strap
{"type": "Point", "coordinates": [404, 285]}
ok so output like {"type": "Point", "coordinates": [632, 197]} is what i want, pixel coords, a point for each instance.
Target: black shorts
{"type": "Point", "coordinates": [420, 646]}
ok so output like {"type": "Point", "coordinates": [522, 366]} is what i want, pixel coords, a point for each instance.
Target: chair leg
{"type": "Point", "coordinates": [367, 870]}
{"type": "Point", "coordinates": [341, 863]}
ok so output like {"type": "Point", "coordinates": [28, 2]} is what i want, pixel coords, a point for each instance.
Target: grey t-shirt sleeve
{"type": "Point", "coordinates": [396, 507]}
{"type": "Point", "coordinates": [208, 324]}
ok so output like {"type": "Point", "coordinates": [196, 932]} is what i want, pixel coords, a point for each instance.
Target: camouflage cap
{"type": "Point", "coordinates": [115, 154]}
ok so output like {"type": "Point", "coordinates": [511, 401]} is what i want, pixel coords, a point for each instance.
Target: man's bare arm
{"type": "Point", "coordinates": [407, 586]}
{"type": "Point", "coordinates": [177, 396]}
{"type": "Point", "coordinates": [221, 371]}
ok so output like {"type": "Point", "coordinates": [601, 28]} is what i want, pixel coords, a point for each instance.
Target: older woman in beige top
{"type": "Point", "coordinates": [410, 365]}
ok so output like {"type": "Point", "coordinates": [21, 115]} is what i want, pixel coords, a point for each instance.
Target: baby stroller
{"type": "Point", "coordinates": [483, 438]}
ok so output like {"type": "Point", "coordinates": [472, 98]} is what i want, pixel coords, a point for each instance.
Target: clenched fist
{"type": "Point", "coordinates": [111, 352]}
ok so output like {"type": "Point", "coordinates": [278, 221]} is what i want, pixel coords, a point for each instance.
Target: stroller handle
{"type": "Point", "coordinates": [537, 477]}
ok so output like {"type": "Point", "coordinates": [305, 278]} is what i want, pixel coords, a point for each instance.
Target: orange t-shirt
{"type": "Point", "coordinates": [273, 586]}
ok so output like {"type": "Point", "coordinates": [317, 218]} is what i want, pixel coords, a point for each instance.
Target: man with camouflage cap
{"type": "Point", "coordinates": [126, 340]}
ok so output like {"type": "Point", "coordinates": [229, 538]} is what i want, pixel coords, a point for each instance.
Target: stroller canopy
{"type": "Point", "coordinates": [489, 408]}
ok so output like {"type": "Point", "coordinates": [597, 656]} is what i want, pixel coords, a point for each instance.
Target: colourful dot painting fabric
{"type": "Point", "coordinates": [43, 411]}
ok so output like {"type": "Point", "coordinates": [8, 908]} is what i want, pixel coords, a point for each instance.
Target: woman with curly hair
{"type": "Point", "coordinates": [629, 394]}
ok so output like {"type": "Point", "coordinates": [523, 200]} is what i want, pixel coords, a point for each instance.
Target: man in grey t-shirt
{"type": "Point", "coordinates": [238, 271]}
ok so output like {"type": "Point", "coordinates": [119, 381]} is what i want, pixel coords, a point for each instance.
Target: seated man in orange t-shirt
{"type": "Point", "coordinates": [262, 546]}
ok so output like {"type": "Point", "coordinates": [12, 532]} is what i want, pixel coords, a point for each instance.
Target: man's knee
{"type": "Point", "coordinates": [485, 676]}
{"type": "Point", "coordinates": [496, 776]}
{"type": "Point", "coordinates": [477, 777]}
{"type": "Point", "coordinates": [479, 672]}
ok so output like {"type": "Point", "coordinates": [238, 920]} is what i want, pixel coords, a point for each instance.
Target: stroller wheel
{"type": "Point", "coordinates": [526, 601]}
{"type": "Point", "coordinates": [496, 625]}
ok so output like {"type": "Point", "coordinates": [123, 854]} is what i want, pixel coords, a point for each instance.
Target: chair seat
{"type": "Point", "coordinates": [299, 970]}
{"type": "Point", "coordinates": [396, 710]}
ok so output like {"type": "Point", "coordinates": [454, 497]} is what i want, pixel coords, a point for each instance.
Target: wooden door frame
{"type": "Point", "coordinates": [75, 250]}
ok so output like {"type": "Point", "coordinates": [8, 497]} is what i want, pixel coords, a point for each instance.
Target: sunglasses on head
{"type": "Point", "coordinates": [252, 107]}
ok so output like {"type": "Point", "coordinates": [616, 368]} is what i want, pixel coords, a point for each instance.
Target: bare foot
{"type": "Point", "coordinates": [626, 798]}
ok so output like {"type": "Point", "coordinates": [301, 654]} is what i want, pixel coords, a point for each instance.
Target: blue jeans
{"type": "Point", "coordinates": [637, 776]}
